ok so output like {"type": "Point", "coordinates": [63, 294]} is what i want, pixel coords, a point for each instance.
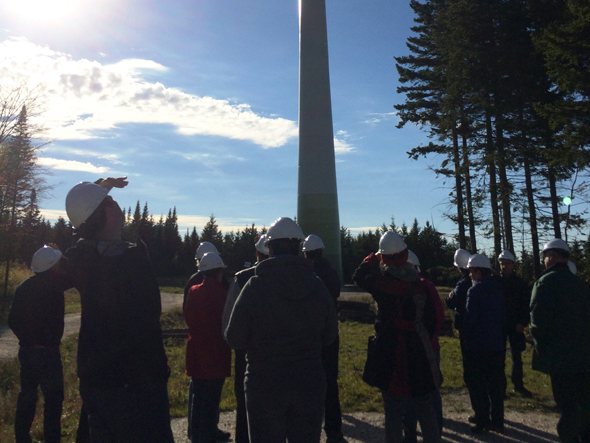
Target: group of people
{"type": "Point", "coordinates": [280, 318]}
{"type": "Point", "coordinates": [491, 310]}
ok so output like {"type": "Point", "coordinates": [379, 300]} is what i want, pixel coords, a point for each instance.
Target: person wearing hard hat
{"type": "Point", "coordinates": [37, 319]}
{"type": "Point", "coordinates": [282, 318]}
{"type": "Point", "coordinates": [458, 296]}
{"type": "Point", "coordinates": [410, 420]}
{"type": "Point", "coordinates": [484, 345]}
{"type": "Point", "coordinates": [239, 281]}
{"type": "Point", "coordinates": [313, 248]}
{"type": "Point", "coordinates": [560, 308]}
{"type": "Point", "coordinates": [208, 357]}
{"type": "Point", "coordinates": [197, 277]}
{"type": "Point", "coordinates": [406, 322]}
{"type": "Point", "coordinates": [122, 364]}
{"type": "Point", "coordinates": [517, 298]}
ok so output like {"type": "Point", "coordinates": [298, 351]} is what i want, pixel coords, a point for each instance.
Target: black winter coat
{"type": "Point", "coordinates": [37, 313]}
{"type": "Point", "coordinates": [120, 334]}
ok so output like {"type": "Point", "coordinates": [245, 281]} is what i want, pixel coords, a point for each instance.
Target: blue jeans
{"type": "Point", "coordinates": [138, 412]}
{"type": "Point", "coordinates": [295, 416]}
{"type": "Point", "coordinates": [410, 419]}
{"type": "Point", "coordinates": [394, 407]}
{"type": "Point", "coordinates": [39, 368]}
{"type": "Point", "coordinates": [205, 409]}
{"type": "Point", "coordinates": [484, 377]}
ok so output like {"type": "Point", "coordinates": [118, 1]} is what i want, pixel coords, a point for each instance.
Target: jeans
{"type": "Point", "coordinates": [295, 416]}
{"type": "Point", "coordinates": [39, 368]}
{"type": "Point", "coordinates": [484, 377]}
{"type": "Point", "coordinates": [333, 415]}
{"type": "Point", "coordinates": [205, 409]}
{"type": "Point", "coordinates": [138, 412]}
{"type": "Point", "coordinates": [191, 395]}
{"type": "Point", "coordinates": [425, 412]}
{"type": "Point", "coordinates": [411, 421]}
{"type": "Point", "coordinates": [571, 392]}
{"type": "Point", "coordinates": [241, 415]}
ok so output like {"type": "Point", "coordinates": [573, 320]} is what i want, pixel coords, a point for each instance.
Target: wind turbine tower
{"type": "Point", "coordinates": [317, 199]}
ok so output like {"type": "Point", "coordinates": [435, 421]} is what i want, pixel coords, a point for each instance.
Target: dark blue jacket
{"type": "Point", "coordinates": [458, 298]}
{"type": "Point", "coordinates": [485, 317]}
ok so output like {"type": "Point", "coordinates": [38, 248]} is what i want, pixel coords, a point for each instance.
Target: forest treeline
{"type": "Point", "coordinates": [502, 88]}
{"type": "Point", "coordinates": [173, 253]}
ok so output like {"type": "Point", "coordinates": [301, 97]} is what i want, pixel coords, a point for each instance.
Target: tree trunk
{"type": "Point", "coordinates": [505, 187]}
{"type": "Point", "coordinates": [554, 198]}
{"type": "Point", "coordinates": [530, 193]}
{"type": "Point", "coordinates": [470, 217]}
{"type": "Point", "coordinates": [459, 191]}
{"type": "Point", "coordinates": [493, 185]}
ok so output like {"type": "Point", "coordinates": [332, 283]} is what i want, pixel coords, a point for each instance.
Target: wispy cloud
{"type": "Point", "coordinates": [112, 158]}
{"type": "Point", "coordinates": [375, 118]}
{"type": "Point", "coordinates": [341, 144]}
{"type": "Point", "coordinates": [85, 98]}
{"type": "Point", "coordinates": [70, 165]}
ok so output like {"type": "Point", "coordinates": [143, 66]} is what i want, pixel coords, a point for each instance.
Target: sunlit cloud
{"type": "Point", "coordinates": [112, 158]}
{"type": "Point", "coordinates": [375, 118]}
{"type": "Point", "coordinates": [54, 214]}
{"type": "Point", "coordinates": [85, 98]}
{"type": "Point", "coordinates": [341, 145]}
{"type": "Point", "coordinates": [70, 165]}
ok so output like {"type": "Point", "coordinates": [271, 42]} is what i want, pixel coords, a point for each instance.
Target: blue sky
{"type": "Point", "coordinates": [197, 102]}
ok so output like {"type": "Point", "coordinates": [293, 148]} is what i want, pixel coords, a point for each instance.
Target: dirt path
{"type": "Point", "coordinates": [9, 343]}
{"type": "Point", "coordinates": [368, 427]}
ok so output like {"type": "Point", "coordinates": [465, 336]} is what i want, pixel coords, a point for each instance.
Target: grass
{"type": "Point", "coordinates": [355, 395]}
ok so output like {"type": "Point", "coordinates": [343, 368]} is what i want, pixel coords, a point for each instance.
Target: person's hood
{"type": "Point", "coordinates": [288, 276]}
{"type": "Point", "coordinates": [405, 272]}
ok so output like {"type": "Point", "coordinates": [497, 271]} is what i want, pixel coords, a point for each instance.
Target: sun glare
{"type": "Point", "coordinates": [44, 10]}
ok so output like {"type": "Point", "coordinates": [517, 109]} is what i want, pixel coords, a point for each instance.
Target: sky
{"type": "Point", "coordinates": [197, 103]}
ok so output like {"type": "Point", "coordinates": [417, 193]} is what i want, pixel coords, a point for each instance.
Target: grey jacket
{"type": "Point", "coordinates": [282, 318]}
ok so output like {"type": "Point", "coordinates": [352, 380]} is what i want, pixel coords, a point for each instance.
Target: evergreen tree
{"type": "Point", "coordinates": [211, 233]}
{"type": "Point", "coordinates": [19, 178]}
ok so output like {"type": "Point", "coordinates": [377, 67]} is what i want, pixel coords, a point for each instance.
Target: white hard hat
{"type": "Point", "coordinates": [209, 261]}
{"type": "Point", "coordinates": [461, 258]}
{"type": "Point", "coordinates": [479, 261]}
{"type": "Point", "coordinates": [507, 255]}
{"type": "Point", "coordinates": [556, 243]}
{"type": "Point", "coordinates": [45, 258]}
{"type": "Point", "coordinates": [284, 227]}
{"type": "Point", "coordinates": [391, 243]}
{"type": "Point", "coordinates": [261, 245]}
{"type": "Point", "coordinates": [572, 266]}
{"type": "Point", "coordinates": [82, 201]}
{"type": "Point", "coordinates": [413, 259]}
{"type": "Point", "coordinates": [312, 242]}
{"type": "Point", "coordinates": [205, 247]}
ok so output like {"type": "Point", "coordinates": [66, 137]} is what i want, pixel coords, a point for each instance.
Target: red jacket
{"type": "Point", "coordinates": [208, 355]}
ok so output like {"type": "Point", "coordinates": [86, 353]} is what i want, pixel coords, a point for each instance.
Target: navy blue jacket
{"type": "Point", "coordinates": [485, 317]}
{"type": "Point", "coordinates": [458, 299]}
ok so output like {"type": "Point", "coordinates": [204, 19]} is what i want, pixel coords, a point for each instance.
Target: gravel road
{"type": "Point", "coordinates": [9, 343]}
{"type": "Point", "coordinates": [368, 427]}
